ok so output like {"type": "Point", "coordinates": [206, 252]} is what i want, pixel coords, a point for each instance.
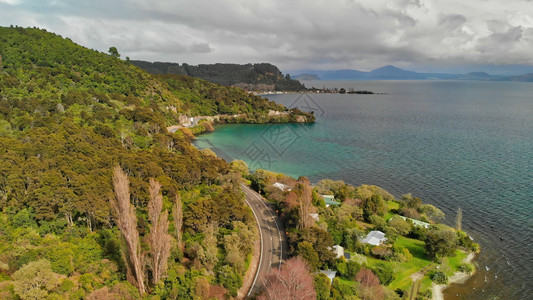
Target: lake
{"type": "Point", "coordinates": [452, 143]}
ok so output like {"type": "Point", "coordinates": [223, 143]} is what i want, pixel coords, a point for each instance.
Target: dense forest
{"type": "Point", "coordinates": [80, 130]}
{"type": "Point", "coordinates": [260, 77]}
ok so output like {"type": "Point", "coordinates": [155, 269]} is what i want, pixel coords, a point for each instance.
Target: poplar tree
{"type": "Point", "coordinates": [158, 236]}
{"type": "Point", "coordinates": [459, 219]}
{"type": "Point", "coordinates": [305, 201]}
{"type": "Point", "coordinates": [177, 216]}
{"type": "Point", "coordinates": [127, 223]}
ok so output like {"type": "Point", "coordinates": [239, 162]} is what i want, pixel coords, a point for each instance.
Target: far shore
{"type": "Point", "coordinates": [458, 277]}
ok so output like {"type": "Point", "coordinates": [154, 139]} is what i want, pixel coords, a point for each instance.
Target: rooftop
{"type": "Point", "coordinates": [374, 238]}
{"type": "Point", "coordinates": [330, 200]}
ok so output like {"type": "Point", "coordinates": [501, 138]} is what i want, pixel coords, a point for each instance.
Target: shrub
{"type": "Point", "coordinates": [230, 279]}
{"type": "Point", "coordinates": [466, 268]}
{"type": "Point", "coordinates": [438, 277]}
{"type": "Point", "coordinates": [34, 280]}
{"type": "Point", "coordinates": [384, 273]}
{"type": "Point", "coordinates": [321, 286]}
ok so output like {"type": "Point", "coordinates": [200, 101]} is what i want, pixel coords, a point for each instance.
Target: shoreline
{"type": "Point", "coordinates": [457, 277]}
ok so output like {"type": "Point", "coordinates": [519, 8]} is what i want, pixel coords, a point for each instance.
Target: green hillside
{"type": "Point", "coordinates": [68, 116]}
{"type": "Point", "coordinates": [259, 77]}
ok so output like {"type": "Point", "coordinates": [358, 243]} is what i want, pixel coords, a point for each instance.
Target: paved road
{"type": "Point", "coordinates": [273, 239]}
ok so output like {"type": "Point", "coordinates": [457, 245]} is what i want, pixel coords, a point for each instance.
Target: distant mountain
{"type": "Point", "coordinates": [393, 73]}
{"type": "Point", "coordinates": [306, 77]}
{"type": "Point", "coordinates": [523, 78]}
{"type": "Point", "coordinates": [263, 76]}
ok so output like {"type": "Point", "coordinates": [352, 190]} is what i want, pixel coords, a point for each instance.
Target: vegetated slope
{"type": "Point", "coordinates": [263, 76]}
{"type": "Point", "coordinates": [68, 115]}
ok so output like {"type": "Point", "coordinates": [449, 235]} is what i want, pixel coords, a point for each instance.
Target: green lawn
{"type": "Point", "coordinates": [403, 271]}
{"type": "Point", "coordinates": [391, 205]}
{"type": "Point", "coordinates": [419, 261]}
{"type": "Point", "coordinates": [455, 261]}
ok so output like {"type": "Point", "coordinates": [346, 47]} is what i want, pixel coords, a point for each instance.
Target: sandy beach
{"type": "Point", "coordinates": [458, 277]}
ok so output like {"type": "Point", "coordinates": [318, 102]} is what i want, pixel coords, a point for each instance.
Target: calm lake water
{"type": "Point", "coordinates": [454, 144]}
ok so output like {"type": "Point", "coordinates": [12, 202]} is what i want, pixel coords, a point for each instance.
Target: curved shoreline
{"type": "Point", "coordinates": [458, 277]}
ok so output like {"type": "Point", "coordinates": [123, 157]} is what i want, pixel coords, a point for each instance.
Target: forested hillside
{"type": "Point", "coordinates": [69, 116]}
{"type": "Point", "coordinates": [250, 76]}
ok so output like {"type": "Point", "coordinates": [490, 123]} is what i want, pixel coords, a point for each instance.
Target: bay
{"type": "Point", "coordinates": [452, 143]}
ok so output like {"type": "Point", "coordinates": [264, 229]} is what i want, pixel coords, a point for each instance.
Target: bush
{"type": "Point", "coordinates": [427, 294]}
{"type": "Point", "coordinates": [438, 277]}
{"type": "Point", "coordinates": [321, 286]}
{"type": "Point", "coordinates": [384, 273]}
{"type": "Point", "coordinates": [230, 279]}
{"type": "Point", "coordinates": [466, 268]}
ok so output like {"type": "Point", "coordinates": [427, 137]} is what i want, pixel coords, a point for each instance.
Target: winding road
{"type": "Point", "coordinates": [273, 239]}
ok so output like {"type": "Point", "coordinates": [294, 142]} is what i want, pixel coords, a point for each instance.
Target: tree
{"type": "Point", "coordinates": [400, 225]}
{"type": "Point", "coordinates": [369, 285]}
{"type": "Point", "coordinates": [113, 52]}
{"type": "Point", "coordinates": [177, 216]}
{"type": "Point", "coordinates": [431, 212]}
{"type": "Point", "coordinates": [240, 167]}
{"type": "Point", "coordinates": [230, 279]}
{"type": "Point", "coordinates": [384, 273]}
{"type": "Point", "coordinates": [459, 219]}
{"type": "Point", "coordinates": [305, 200]}
{"type": "Point", "coordinates": [127, 223]}
{"type": "Point", "coordinates": [411, 202]}
{"type": "Point", "coordinates": [374, 205]}
{"type": "Point", "coordinates": [210, 244]}
{"type": "Point", "coordinates": [306, 250]}
{"type": "Point", "coordinates": [351, 238]}
{"type": "Point", "coordinates": [292, 281]}
{"type": "Point", "coordinates": [322, 286]}
{"type": "Point", "coordinates": [441, 241]}
{"type": "Point", "coordinates": [158, 237]}
{"type": "Point", "coordinates": [34, 280]}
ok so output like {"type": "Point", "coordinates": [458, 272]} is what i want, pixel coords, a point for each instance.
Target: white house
{"type": "Point", "coordinates": [330, 273]}
{"type": "Point", "coordinates": [416, 222]}
{"type": "Point", "coordinates": [282, 186]}
{"type": "Point", "coordinates": [338, 250]}
{"type": "Point", "coordinates": [315, 217]}
{"type": "Point", "coordinates": [375, 238]}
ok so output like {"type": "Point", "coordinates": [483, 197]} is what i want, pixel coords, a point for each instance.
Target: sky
{"type": "Point", "coordinates": [454, 36]}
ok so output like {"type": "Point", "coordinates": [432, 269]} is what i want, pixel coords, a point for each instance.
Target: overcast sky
{"type": "Point", "coordinates": [420, 35]}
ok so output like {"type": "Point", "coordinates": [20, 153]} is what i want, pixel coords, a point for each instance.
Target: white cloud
{"type": "Point", "coordinates": [297, 34]}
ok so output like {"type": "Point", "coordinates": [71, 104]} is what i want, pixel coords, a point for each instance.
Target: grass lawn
{"type": "Point", "coordinates": [403, 271]}
{"type": "Point", "coordinates": [391, 205]}
{"type": "Point", "coordinates": [455, 261]}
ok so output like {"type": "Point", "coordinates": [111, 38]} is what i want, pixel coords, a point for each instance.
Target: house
{"type": "Point", "coordinates": [282, 186]}
{"type": "Point", "coordinates": [416, 222]}
{"type": "Point", "coordinates": [338, 250]}
{"type": "Point", "coordinates": [330, 273]}
{"type": "Point", "coordinates": [347, 256]}
{"type": "Point", "coordinates": [315, 217]}
{"type": "Point", "coordinates": [330, 200]}
{"type": "Point", "coordinates": [375, 238]}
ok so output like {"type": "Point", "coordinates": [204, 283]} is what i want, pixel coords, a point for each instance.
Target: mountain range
{"type": "Point", "coordinates": [393, 73]}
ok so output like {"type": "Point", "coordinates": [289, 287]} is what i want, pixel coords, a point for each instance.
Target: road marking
{"type": "Point", "coordinates": [277, 227]}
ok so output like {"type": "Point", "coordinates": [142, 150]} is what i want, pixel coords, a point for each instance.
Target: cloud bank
{"type": "Point", "coordinates": [296, 34]}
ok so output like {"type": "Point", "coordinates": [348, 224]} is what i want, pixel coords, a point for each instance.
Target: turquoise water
{"type": "Point", "coordinates": [454, 144]}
